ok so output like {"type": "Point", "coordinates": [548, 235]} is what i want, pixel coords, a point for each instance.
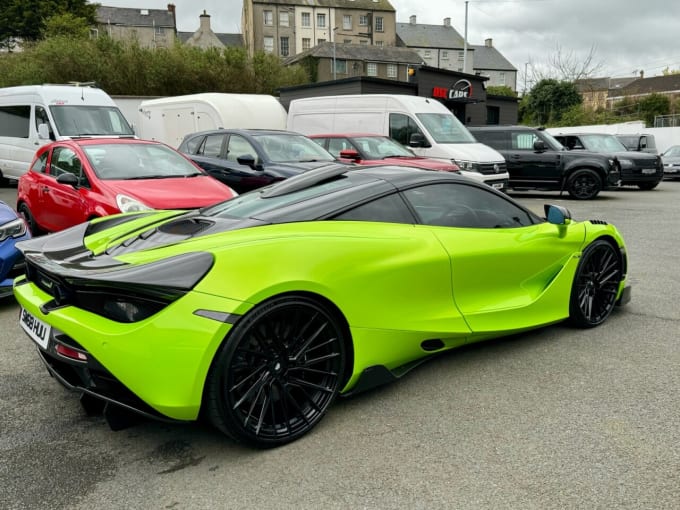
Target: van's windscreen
{"type": "Point", "coordinates": [445, 128]}
{"type": "Point", "coordinates": [90, 121]}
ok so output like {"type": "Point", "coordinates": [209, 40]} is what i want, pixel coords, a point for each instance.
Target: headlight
{"type": "Point", "coordinates": [626, 163]}
{"type": "Point", "coordinates": [128, 204]}
{"type": "Point", "coordinates": [15, 228]}
{"type": "Point", "coordinates": [469, 166]}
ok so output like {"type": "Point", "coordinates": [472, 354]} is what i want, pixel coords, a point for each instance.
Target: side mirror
{"type": "Point", "coordinates": [68, 179]}
{"type": "Point", "coordinates": [247, 159]}
{"type": "Point", "coordinates": [417, 140]}
{"type": "Point", "coordinates": [557, 215]}
{"type": "Point", "coordinates": [539, 146]}
{"type": "Point", "coordinates": [350, 154]}
{"type": "Point", "coordinates": [43, 131]}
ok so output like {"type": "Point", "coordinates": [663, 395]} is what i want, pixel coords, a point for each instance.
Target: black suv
{"type": "Point", "coordinates": [537, 161]}
{"type": "Point", "coordinates": [641, 169]}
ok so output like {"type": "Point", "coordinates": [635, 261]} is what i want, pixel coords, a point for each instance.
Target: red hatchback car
{"type": "Point", "coordinates": [73, 181]}
{"type": "Point", "coordinates": [372, 149]}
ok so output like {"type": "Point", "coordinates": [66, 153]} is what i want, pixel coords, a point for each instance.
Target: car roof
{"type": "Point", "coordinates": [107, 141]}
{"type": "Point", "coordinates": [252, 132]}
{"type": "Point", "coordinates": [349, 135]}
{"type": "Point", "coordinates": [504, 128]}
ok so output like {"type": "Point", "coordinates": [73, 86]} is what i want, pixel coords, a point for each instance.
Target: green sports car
{"type": "Point", "coordinates": [258, 311]}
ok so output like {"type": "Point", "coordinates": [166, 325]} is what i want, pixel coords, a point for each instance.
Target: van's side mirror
{"type": "Point", "coordinates": [539, 146]}
{"type": "Point", "coordinates": [417, 140]}
{"type": "Point", "coordinates": [69, 179]}
{"type": "Point", "coordinates": [43, 131]}
{"type": "Point", "coordinates": [350, 154]}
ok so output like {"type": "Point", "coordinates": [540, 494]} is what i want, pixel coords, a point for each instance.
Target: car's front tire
{"type": "Point", "coordinates": [647, 185]}
{"type": "Point", "coordinates": [584, 184]}
{"type": "Point", "coordinates": [596, 284]}
{"type": "Point", "coordinates": [33, 226]}
{"type": "Point", "coordinates": [277, 373]}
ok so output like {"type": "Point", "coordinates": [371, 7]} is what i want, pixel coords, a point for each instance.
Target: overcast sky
{"type": "Point", "coordinates": [628, 36]}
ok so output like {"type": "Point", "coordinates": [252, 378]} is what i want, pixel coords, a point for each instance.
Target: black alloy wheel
{"type": "Point", "coordinates": [277, 373]}
{"type": "Point", "coordinates": [25, 212]}
{"type": "Point", "coordinates": [584, 184]}
{"type": "Point", "coordinates": [596, 284]}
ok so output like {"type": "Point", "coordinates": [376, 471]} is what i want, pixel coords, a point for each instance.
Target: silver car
{"type": "Point", "coordinates": [671, 162]}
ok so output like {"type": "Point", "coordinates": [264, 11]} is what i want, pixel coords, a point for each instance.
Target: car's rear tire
{"type": "Point", "coordinates": [33, 226]}
{"type": "Point", "coordinates": [647, 185]}
{"type": "Point", "coordinates": [596, 284]}
{"type": "Point", "coordinates": [584, 184]}
{"type": "Point", "coordinates": [277, 372]}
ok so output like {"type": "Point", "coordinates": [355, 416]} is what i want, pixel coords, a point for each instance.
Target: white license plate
{"type": "Point", "coordinates": [498, 185]}
{"type": "Point", "coordinates": [648, 170]}
{"type": "Point", "coordinates": [38, 330]}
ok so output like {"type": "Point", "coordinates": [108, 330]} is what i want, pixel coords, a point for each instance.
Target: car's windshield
{"type": "Point", "coordinates": [602, 143]}
{"type": "Point", "coordinates": [445, 128]}
{"type": "Point", "coordinates": [379, 147]}
{"type": "Point", "coordinates": [673, 151]}
{"type": "Point", "coordinates": [121, 161]}
{"type": "Point", "coordinates": [282, 147]}
{"type": "Point", "coordinates": [90, 121]}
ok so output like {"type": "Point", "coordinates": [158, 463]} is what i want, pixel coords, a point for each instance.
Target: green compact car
{"type": "Point", "coordinates": [259, 311]}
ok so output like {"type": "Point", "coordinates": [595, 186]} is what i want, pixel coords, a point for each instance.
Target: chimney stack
{"type": "Point", "coordinates": [488, 42]}
{"type": "Point", "coordinates": [447, 22]}
{"type": "Point", "coordinates": [412, 19]}
{"type": "Point", "coordinates": [642, 73]}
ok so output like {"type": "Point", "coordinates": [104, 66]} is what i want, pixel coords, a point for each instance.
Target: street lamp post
{"type": "Point", "coordinates": [465, 39]}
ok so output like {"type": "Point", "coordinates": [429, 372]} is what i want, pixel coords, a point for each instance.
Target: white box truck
{"type": "Point", "coordinates": [170, 119]}
{"type": "Point", "coordinates": [424, 125]}
{"type": "Point", "coordinates": [33, 115]}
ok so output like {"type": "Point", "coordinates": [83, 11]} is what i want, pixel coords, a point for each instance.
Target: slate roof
{"type": "Point", "coordinates": [226, 39]}
{"type": "Point", "coordinates": [135, 17]}
{"type": "Point", "coordinates": [488, 57]}
{"type": "Point", "coordinates": [601, 84]}
{"type": "Point", "coordinates": [420, 35]}
{"type": "Point", "coordinates": [362, 52]}
{"type": "Point", "coordinates": [366, 5]}
{"type": "Point", "coordinates": [656, 84]}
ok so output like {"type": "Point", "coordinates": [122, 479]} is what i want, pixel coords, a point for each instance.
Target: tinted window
{"type": "Point", "coordinates": [497, 139]}
{"type": "Point", "coordinates": [462, 205]}
{"type": "Point", "coordinates": [402, 127]}
{"type": "Point", "coordinates": [239, 146]}
{"type": "Point", "coordinates": [15, 121]}
{"type": "Point", "coordinates": [211, 146]}
{"type": "Point", "coordinates": [389, 209]}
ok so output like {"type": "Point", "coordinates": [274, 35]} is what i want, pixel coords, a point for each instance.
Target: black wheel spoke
{"type": "Point", "coordinates": [308, 342]}
{"type": "Point", "coordinates": [307, 384]}
{"type": "Point", "coordinates": [253, 389]}
{"type": "Point", "coordinates": [314, 361]}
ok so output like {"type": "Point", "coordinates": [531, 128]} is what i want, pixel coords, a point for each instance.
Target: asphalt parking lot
{"type": "Point", "coordinates": [552, 419]}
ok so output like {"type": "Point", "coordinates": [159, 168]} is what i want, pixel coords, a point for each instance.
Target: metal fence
{"type": "Point", "coordinates": [667, 120]}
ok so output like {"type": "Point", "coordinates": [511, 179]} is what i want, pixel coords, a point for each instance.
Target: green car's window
{"type": "Point", "coordinates": [389, 209]}
{"type": "Point", "coordinates": [461, 205]}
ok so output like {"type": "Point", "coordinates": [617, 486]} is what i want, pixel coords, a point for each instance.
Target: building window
{"type": "Point", "coordinates": [461, 56]}
{"type": "Point", "coordinates": [347, 41]}
{"type": "Point", "coordinates": [364, 41]}
{"type": "Point", "coordinates": [283, 18]}
{"type": "Point", "coordinates": [340, 67]}
{"type": "Point", "coordinates": [306, 43]}
{"type": "Point", "coordinates": [378, 24]}
{"type": "Point", "coordinates": [269, 44]}
{"type": "Point", "coordinates": [306, 19]}
{"type": "Point", "coordinates": [372, 69]}
{"type": "Point", "coordinates": [321, 20]}
{"type": "Point", "coordinates": [391, 70]}
{"type": "Point", "coordinates": [346, 22]}
{"type": "Point", "coordinates": [160, 30]}
{"type": "Point", "coordinates": [94, 33]}
{"type": "Point", "coordinates": [445, 55]}
{"type": "Point", "coordinates": [379, 43]}
{"type": "Point", "coordinates": [268, 17]}
{"type": "Point", "coordinates": [363, 21]}
{"type": "Point", "coordinates": [320, 41]}
{"type": "Point", "coordinates": [501, 78]}
{"type": "Point", "coordinates": [427, 54]}
{"type": "Point", "coordinates": [284, 47]}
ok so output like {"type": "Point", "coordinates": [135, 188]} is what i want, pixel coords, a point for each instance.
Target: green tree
{"type": "Point", "coordinates": [66, 25]}
{"type": "Point", "coordinates": [548, 100]}
{"type": "Point", "coordinates": [500, 90]}
{"type": "Point", "coordinates": [27, 19]}
{"type": "Point", "coordinates": [653, 105]}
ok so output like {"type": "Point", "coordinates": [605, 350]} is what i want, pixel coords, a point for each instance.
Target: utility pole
{"type": "Point", "coordinates": [465, 38]}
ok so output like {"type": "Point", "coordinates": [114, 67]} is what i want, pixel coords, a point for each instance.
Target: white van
{"type": "Point", "coordinates": [33, 115]}
{"type": "Point", "coordinates": [425, 125]}
{"type": "Point", "coordinates": [170, 119]}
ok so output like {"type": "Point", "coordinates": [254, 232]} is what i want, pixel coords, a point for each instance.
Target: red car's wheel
{"type": "Point", "coordinates": [26, 213]}
{"type": "Point", "coordinates": [278, 371]}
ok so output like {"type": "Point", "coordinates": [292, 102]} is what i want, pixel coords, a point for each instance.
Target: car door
{"type": "Point", "coordinates": [530, 165]}
{"type": "Point", "coordinates": [509, 268]}
{"type": "Point", "coordinates": [61, 205]}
